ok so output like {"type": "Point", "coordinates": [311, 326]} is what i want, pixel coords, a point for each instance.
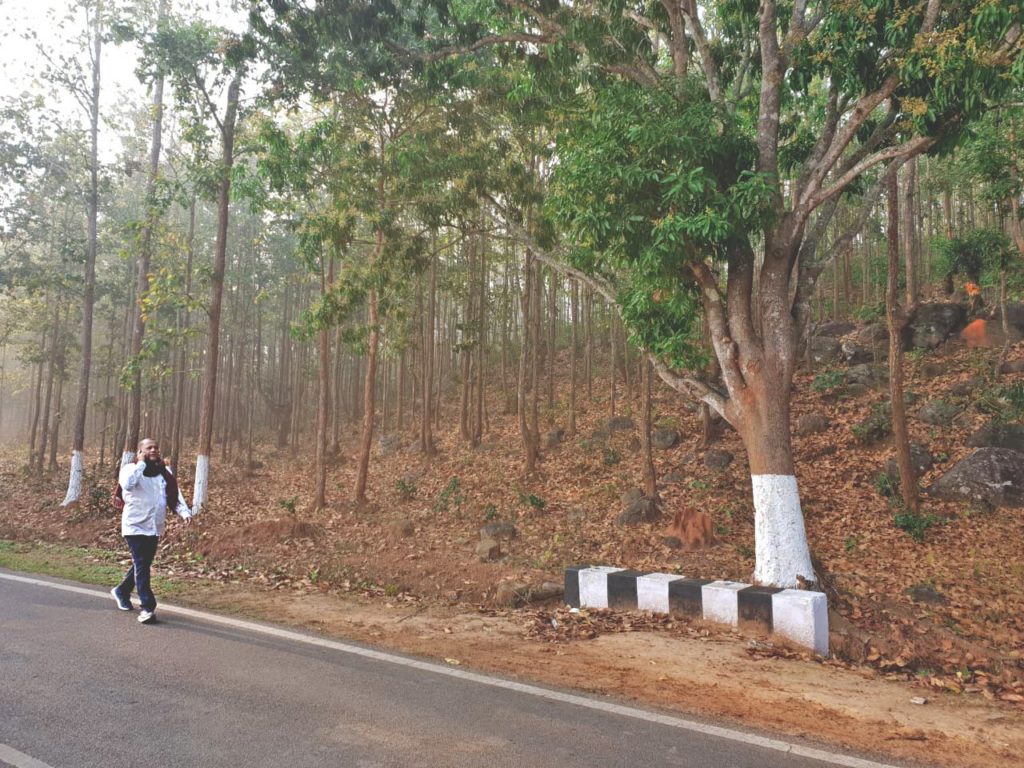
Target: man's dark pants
{"type": "Point", "coordinates": [143, 551]}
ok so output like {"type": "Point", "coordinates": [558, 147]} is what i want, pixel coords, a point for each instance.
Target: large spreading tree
{"type": "Point", "coordinates": [702, 150]}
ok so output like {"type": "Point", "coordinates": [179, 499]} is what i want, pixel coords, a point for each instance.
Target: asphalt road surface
{"type": "Point", "coordinates": [83, 684]}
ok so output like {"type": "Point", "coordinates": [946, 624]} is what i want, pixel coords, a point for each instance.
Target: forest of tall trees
{"type": "Point", "coordinates": [326, 224]}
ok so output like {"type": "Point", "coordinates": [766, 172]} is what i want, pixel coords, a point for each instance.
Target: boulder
{"type": "Point", "coordinates": [874, 376]}
{"type": "Point", "coordinates": [933, 323]}
{"type": "Point", "coordinates": [665, 437]}
{"type": "Point", "coordinates": [991, 475]}
{"type": "Point", "coordinates": [825, 349]}
{"type": "Point", "coordinates": [498, 530]}
{"type": "Point", "coordinates": [717, 460]}
{"type": "Point", "coordinates": [931, 369]}
{"type": "Point", "coordinates": [920, 459]}
{"type": "Point", "coordinates": [1014, 366]}
{"type": "Point", "coordinates": [856, 354]}
{"type": "Point", "coordinates": [672, 542]}
{"type": "Point", "coordinates": [1015, 316]}
{"type": "Point", "coordinates": [600, 433]}
{"type": "Point", "coordinates": [674, 477]}
{"type": "Point", "coordinates": [811, 423]}
{"type": "Point", "coordinates": [873, 335]}
{"type": "Point", "coordinates": [939, 413]}
{"type": "Point", "coordinates": [835, 329]}
{"type": "Point", "coordinates": [994, 435]}
{"type": "Point", "coordinates": [554, 437]}
{"type": "Point", "coordinates": [643, 510]}
{"type": "Point", "coordinates": [621, 423]}
{"type": "Point", "coordinates": [968, 387]}
{"type": "Point", "coordinates": [388, 444]}
{"type": "Point", "coordinates": [927, 593]}
{"type": "Point", "coordinates": [488, 550]}
{"type": "Point", "coordinates": [630, 495]}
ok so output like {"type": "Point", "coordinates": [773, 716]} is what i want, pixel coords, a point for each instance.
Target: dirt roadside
{"type": "Point", "coordinates": [704, 671]}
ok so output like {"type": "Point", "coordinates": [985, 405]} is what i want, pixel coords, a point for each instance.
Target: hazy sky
{"type": "Point", "coordinates": [21, 64]}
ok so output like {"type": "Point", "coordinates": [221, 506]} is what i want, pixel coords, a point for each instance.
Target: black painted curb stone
{"type": "Point", "coordinates": [797, 615]}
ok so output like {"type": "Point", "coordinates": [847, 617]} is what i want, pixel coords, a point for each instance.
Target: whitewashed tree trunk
{"type": "Point", "coordinates": [75, 478]}
{"type": "Point", "coordinates": [780, 539]}
{"type": "Point", "coordinates": [202, 483]}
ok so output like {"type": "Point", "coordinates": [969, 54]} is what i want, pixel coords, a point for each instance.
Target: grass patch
{"type": "Point", "coordinates": [83, 564]}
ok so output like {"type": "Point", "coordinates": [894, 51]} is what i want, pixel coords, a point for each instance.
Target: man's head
{"type": "Point", "coordinates": [148, 450]}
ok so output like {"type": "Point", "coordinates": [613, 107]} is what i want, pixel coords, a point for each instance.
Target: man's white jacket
{"type": "Point", "coordinates": [145, 502]}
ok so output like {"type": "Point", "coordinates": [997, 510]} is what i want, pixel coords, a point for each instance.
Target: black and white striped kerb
{"type": "Point", "coordinates": [797, 615]}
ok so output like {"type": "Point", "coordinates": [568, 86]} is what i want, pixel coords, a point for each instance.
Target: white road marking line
{"type": "Point", "coordinates": [832, 758]}
{"type": "Point", "coordinates": [11, 756]}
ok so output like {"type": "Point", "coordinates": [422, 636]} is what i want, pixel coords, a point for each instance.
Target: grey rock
{"type": "Point", "coordinates": [1014, 366]}
{"type": "Point", "coordinates": [630, 495]}
{"type": "Point", "coordinates": [927, 593]}
{"type": "Point", "coordinates": [939, 413]}
{"type": "Point", "coordinates": [488, 549]}
{"type": "Point", "coordinates": [933, 323]}
{"type": "Point", "coordinates": [825, 349]}
{"type": "Point", "coordinates": [621, 423]}
{"type": "Point", "coordinates": [874, 376]}
{"type": "Point", "coordinates": [857, 389]}
{"type": "Point", "coordinates": [855, 353]}
{"type": "Point", "coordinates": [835, 328]}
{"type": "Point", "coordinates": [642, 510]}
{"type": "Point", "coordinates": [674, 477]}
{"type": "Point", "coordinates": [672, 542]}
{"type": "Point", "coordinates": [498, 530]}
{"type": "Point", "coordinates": [600, 433]}
{"type": "Point", "coordinates": [1014, 316]}
{"type": "Point", "coordinates": [968, 387]}
{"type": "Point", "coordinates": [388, 444]}
{"type": "Point", "coordinates": [920, 459]}
{"type": "Point", "coordinates": [717, 460]}
{"type": "Point", "coordinates": [931, 369]}
{"type": "Point", "coordinates": [665, 437]}
{"type": "Point", "coordinates": [991, 475]}
{"type": "Point", "coordinates": [811, 423]}
{"type": "Point", "coordinates": [555, 437]}
{"type": "Point", "coordinates": [873, 335]}
{"type": "Point", "coordinates": [994, 435]}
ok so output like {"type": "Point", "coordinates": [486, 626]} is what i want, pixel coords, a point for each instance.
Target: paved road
{"type": "Point", "coordinates": [82, 684]}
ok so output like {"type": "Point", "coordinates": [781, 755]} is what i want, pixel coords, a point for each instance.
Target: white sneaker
{"type": "Point", "coordinates": [146, 616]}
{"type": "Point", "coordinates": [122, 604]}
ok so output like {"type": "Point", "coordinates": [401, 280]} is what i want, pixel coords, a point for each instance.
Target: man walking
{"type": "Point", "coordinates": [148, 489]}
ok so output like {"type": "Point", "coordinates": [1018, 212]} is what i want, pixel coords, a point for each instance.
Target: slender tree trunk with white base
{"type": "Point", "coordinates": [74, 491]}
{"type": "Point", "coordinates": [201, 484]}
{"type": "Point", "coordinates": [75, 479]}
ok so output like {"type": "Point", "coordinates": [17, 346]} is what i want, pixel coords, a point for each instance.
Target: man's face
{"type": "Point", "coordinates": [149, 450]}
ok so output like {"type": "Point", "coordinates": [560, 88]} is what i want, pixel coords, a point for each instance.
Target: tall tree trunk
{"type": "Point", "coordinates": [181, 354]}
{"type": "Point", "coordinates": [910, 230]}
{"type": "Point", "coordinates": [427, 446]}
{"type": "Point", "coordinates": [145, 256]}
{"type": "Point", "coordinates": [650, 474]}
{"type": "Point", "coordinates": [51, 370]}
{"type": "Point", "coordinates": [202, 474]}
{"type": "Point", "coordinates": [573, 359]}
{"type": "Point", "coordinates": [896, 320]}
{"type": "Point", "coordinates": [323, 404]}
{"type": "Point", "coordinates": [552, 337]}
{"type": "Point", "coordinates": [74, 490]}
{"type": "Point", "coordinates": [372, 346]}
{"type": "Point", "coordinates": [526, 354]}
{"type": "Point", "coordinates": [481, 329]}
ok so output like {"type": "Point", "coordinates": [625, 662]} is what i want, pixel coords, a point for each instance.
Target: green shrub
{"type": "Point", "coordinates": [610, 457]}
{"type": "Point", "coordinates": [406, 487]}
{"type": "Point", "coordinates": [877, 425]}
{"type": "Point", "coordinates": [828, 380]}
{"type": "Point", "coordinates": [451, 496]}
{"type": "Point", "coordinates": [914, 523]}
